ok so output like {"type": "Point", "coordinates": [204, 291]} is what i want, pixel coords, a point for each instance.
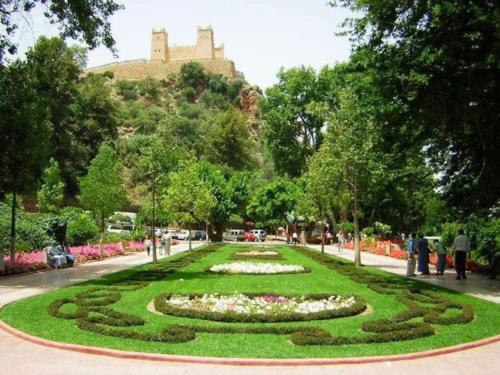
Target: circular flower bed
{"type": "Point", "coordinates": [257, 268]}
{"type": "Point", "coordinates": [258, 308]}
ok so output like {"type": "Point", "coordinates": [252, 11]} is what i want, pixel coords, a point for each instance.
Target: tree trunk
{"type": "Point", "coordinates": [101, 237]}
{"type": "Point", "coordinates": [2, 261]}
{"type": "Point", "coordinates": [153, 224]}
{"type": "Point", "coordinates": [206, 232]}
{"type": "Point", "coordinates": [322, 237]}
{"type": "Point", "coordinates": [13, 230]}
{"type": "Point", "coordinates": [357, 250]}
{"type": "Point", "coordinates": [189, 238]}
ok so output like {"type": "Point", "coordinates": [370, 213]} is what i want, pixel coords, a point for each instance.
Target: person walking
{"type": "Point", "coordinates": [441, 262]}
{"type": "Point", "coordinates": [340, 241]}
{"type": "Point", "coordinates": [423, 255]}
{"type": "Point", "coordinates": [461, 248]}
{"type": "Point", "coordinates": [149, 245]}
{"type": "Point", "coordinates": [295, 238]}
{"type": "Point", "coordinates": [411, 248]}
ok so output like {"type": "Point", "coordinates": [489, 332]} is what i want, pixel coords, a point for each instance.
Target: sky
{"type": "Point", "coordinates": [260, 36]}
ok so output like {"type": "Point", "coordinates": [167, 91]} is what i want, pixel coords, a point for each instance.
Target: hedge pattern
{"type": "Point", "coordinates": [424, 304]}
{"type": "Point", "coordinates": [162, 306]}
{"type": "Point", "coordinates": [91, 311]}
{"type": "Point", "coordinates": [237, 255]}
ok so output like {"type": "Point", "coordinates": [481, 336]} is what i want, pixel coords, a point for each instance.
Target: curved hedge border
{"type": "Point", "coordinates": [161, 305]}
{"type": "Point", "coordinates": [420, 303]}
{"type": "Point", "coordinates": [92, 313]}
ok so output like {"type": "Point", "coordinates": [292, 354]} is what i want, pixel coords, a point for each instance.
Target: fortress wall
{"type": "Point", "coordinates": [181, 53]}
{"type": "Point", "coordinates": [219, 52]}
{"type": "Point", "coordinates": [159, 70]}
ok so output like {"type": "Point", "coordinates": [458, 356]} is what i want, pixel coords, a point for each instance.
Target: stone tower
{"type": "Point", "coordinates": [205, 43]}
{"type": "Point", "coordinates": [159, 45]}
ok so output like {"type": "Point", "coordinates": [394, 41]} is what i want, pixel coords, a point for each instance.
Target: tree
{"type": "Point", "coordinates": [356, 166]}
{"type": "Point", "coordinates": [440, 61]}
{"type": "Point", "coordinates": [159, 158]}
{"type": "Point", "coordinates": [271, 204]}
{"type": "Point", "coordinates": [83, 20]}
{"type": "Point", "coordinates": [189, 198]}
{"type": "Point", "coordinates": [228, 142]}
{"type": "Point", "coordinates": [192, 75]}
{"type": "Point", "coordinates": [292, 121]}
{"type": "Point", "coordinates": [51, 194]}
{"type": "Point", "coordinates": [24, 131]}
{"type": "Point", "coordinates": [101, 190]}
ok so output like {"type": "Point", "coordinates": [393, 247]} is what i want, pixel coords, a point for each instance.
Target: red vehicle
{"type": "Point", "coordinates": [250, 237]}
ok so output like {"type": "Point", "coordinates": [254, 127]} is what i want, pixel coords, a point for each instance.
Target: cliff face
{"type": "Point", "coordinates": [249, 102]}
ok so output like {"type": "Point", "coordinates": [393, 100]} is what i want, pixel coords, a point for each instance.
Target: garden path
{"type": "Point", "coordinates": [17, 287]}
{"type": "Point", "coordinates": [20, 356]}
{"type": "Point", "coordinates": [476, 285]}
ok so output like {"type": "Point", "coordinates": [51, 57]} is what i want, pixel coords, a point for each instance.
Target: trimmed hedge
{"type": "Point", "coordinates": [162, 306]}
{"type": "Point", "coordinates": [93, 315]}
{"type": "Point", "coordinates": [420, 303]}
{"type": "Point", "coordinates": [305, 270]}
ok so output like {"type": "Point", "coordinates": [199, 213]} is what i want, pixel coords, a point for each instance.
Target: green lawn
{"type": "Point", "coordinates": [31, 315]}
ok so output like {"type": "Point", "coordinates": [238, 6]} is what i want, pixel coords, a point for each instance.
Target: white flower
{"type": "Point", "coordinates": [266, 305]}
{"type": "Point", "coordinates": [256, 268]}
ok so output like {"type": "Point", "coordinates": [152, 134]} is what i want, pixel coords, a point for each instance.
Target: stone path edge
{"type": "Point", "coordinates": [243, 361]}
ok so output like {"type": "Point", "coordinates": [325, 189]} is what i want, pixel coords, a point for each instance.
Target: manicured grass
{"type": "Point", "coordinates": [31, 315]}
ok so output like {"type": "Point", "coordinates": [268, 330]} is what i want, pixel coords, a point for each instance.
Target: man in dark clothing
{"type": "Point", "coordinates": [423, 255]}
{"type": "Point", "coordinates": [461, 248]}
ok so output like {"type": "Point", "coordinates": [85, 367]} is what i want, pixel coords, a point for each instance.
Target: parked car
{"type": "Point", "coordinates": [250, 237]}
{"type": "Point", "coordinates": [173, 233]}
{"type": "Point", "coordinates": [183, 235]}
{"type": "Point", "coordinates": [199, 235]}
{"type": "Point", "coordinates": [234, 235]}
{"type": "Point", "coordinates": [260, 234]}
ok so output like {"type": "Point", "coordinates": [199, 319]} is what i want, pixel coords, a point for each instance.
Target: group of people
{"type": "Point", "coordinates": [419, 252]}
{"type": "Point", "coordinates": [164, 244]}
{"type": "Point", "coordinates": [59, 256]}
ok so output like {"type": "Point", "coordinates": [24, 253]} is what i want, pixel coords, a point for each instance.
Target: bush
{"type": "Point", "coordinates": [448, 233]}
{"type": "Point", "coordinates": [81, 229]}
{"type": "Point", "coordinates": [127, 89]}
{"type": "Point", "coordinates": [116, 237]}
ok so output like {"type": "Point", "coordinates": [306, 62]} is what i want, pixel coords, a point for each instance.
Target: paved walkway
{"type": "Point", "coordinates": [19, 356]}
{"type": "Point", "coordinates": [476, 285]}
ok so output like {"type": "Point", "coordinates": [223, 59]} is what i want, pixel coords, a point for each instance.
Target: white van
{"type": "Point", "coordinates": [260, 234]}
{"type": "Point", "coordinates": [234, 235]}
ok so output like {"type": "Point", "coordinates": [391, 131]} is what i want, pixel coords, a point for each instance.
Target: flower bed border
{"type": "Point", "coordinates": [238, 256]}
{"type": "Point", "coordinates": [229, 317]}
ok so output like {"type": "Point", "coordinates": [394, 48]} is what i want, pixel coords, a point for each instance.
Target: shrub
{"type": "Point", "coordinates": [81, 229]}
{"type": "Point", "coordinates": [449, 232]}
{"type": "Point", "coordinates": [127, 89]}
{"type": "Point", "coordinates": [110, 237]}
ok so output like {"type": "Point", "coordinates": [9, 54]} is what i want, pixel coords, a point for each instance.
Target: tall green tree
{"type": "Point", "coordinates": [51, 193]}
{"type": "Point", "coordinates": [189, 198]}
{"type": "Point", "coordinates": [439, 60]}
{"type": "Point", "coordinates": [83, 20]}
{"type": "Point", "coordinates": [271, 204]}
{"type": "Point", "coordinates": [356, 165]}
{"type": "Point", "coordinates": [24, 131]}
{"type": "Point", "coordinates": [292, 121]}
{"type": "Point", "coordinates": [102, 190]}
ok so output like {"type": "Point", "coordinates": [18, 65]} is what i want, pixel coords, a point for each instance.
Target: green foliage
{"type": "Point", "coordinates": [102, 189]}
{"type": "Point", "coordinates": [127, 89]}
{"type": "Point", "coordinates": [110, 237]}
{"type": "Point", "coordinates": [86, 21]}
{"type": "Point", "coordinates": [382, 229]}
{"type": "Point", "coordinates": [81, 229]}
{"type": "Point", "coordinates": [217, 84]}
{"type": "Point", "coordinates": [293, 113]}
{"type": "Point", "coordinates": [448, 233]}
{"type": "Point", "coordinates": [227, 141]}
{"type": "Point", "coordinates": [189, 198]}
{"type": "Point", "coordinates": [51, 194]}
{"type": "Point", "coordinates": [272, 203]}
{"type": "Point", "coordinates": [411, 48]}
{"type": "Point", "coordinates": [193, 76]}
{"type": "Point", "coordinates": [346, 226]}
{"type": "Point", "coordinates": [149, 88]}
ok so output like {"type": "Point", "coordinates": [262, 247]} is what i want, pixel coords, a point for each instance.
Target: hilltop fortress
{"type": "Point", "coordinates": [167, 59]}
